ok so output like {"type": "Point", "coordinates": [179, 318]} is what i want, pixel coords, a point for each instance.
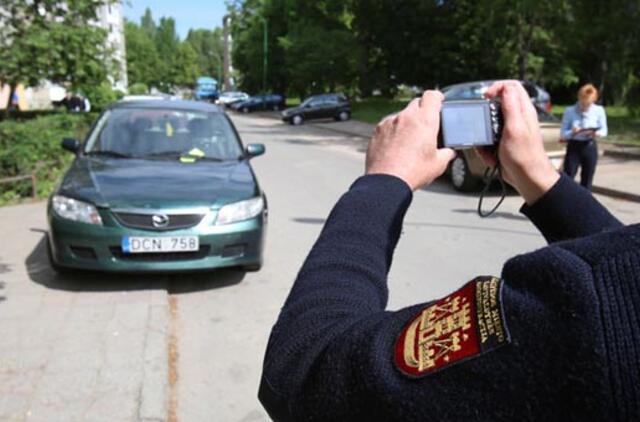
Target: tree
{"type": "Point", "coordinates": [208, 47]}
{"type": "Point", "coordinates": [142, 56]}
{"type": "Point", "coordinates": [185, 70]}
{"type": "Point", "coordinates": [50, 39]}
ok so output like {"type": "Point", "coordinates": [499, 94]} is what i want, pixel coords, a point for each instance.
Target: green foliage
{"type": "Point", "coordinates": [185, 70]}
{"type": "Point", "coordinates": [381, 44]}
{"type": "Point", "coordinates": [208, 47]}
{"type": "Point", "coordinates": [142, 56]}
{"type": "Point", "coordinates": [50, 39]}
{"type": "Point", "coordinates": [372, 110]}
{"type": "Point", "coordinates": [156, 57]}
{"type": "Point", "coordinates": [33, 145]}
{"type": "Point", "coordinates": [101, 95]}
{"type": "Point", "coordinates": [138, 89]}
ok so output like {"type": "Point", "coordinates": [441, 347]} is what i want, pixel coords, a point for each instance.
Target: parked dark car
{"type": "Point", "coordinates": [159, 185]}
{"type": "Point", "coordinates": [260, 102]}
{"type": "Point", "coordinates": [476, 90]}
{"type": "Point", "coordinates": [323, 106]}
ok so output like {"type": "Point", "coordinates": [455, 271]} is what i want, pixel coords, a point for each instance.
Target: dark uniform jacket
{"type": "Point", "coordinates": [555, 338]}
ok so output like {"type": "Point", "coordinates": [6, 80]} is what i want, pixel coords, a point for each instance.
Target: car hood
{"type": "Point", "coordinates": [292, 110]}
{"type": "Point", "coordinates": [134, 183]}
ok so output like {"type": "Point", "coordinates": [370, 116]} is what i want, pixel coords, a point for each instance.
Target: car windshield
{"type": "Point", "coordinates": [163, 133]}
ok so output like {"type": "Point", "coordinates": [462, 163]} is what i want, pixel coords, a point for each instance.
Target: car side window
{"type": "Point", "coordinates": [331, 100]}
{"type": "Point", "coordinates": [471, 92]}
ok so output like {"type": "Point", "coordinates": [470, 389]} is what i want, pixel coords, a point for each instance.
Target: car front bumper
{"type": "Point", "coordinates": [90, 247]}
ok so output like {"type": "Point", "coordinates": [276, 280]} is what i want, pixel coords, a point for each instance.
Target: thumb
{"type": "Point", "coordinates": [443, 157]}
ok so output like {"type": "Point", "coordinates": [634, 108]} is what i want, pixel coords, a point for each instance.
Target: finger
{"type": "Point", "coordinates": [444, 156]}
{"type": "Point", "coordinates": [430, 106]}
{"type": "Point", "coordinates": [495, 90]}
{"type": "Point", "coordinates": [511, 106]}
{"type": "Point", "coordinates": [487, 156]}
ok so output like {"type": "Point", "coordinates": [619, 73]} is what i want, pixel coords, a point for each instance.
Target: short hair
{"type": "Point", "coordinates": [588, 93]}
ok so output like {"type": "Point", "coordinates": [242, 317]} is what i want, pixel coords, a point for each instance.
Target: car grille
{"type": "Point", "coordinates": [145, 221]}
{"type": "Point", "coordinates": [116, 251]}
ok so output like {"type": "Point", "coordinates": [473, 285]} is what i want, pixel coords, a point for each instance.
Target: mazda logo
{"type": "Point", "coordinates": [160, 220]}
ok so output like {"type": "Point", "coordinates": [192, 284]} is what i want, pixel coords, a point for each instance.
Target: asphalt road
{"type": "Point", "coordinates": [189, 348]}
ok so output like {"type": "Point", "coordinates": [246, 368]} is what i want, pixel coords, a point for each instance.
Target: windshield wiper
{"type": "Point", "coordinates": [164, 154]}
{"type": "Point", "coordinates": [180, 155]}
{"type": "Point", "coordinates": [107, 153]}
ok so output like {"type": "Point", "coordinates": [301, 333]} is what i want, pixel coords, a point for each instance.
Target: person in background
{"type": "Point", "coordinates": [582, 124]}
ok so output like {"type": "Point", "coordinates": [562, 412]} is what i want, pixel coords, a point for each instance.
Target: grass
{"type": "Point", "coordinates": [624, 128]}
{"type": "Point", "coordinates": [372, 110]}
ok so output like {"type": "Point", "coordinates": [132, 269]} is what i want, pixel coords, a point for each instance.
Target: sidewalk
{"type": "Point", "coordinates": [617, 175]}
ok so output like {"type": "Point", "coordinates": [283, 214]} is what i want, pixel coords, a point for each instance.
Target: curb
{"type": "Point", "coordinates": [622, 154]}
{"type": "Point", "coordinates": [614, 193]}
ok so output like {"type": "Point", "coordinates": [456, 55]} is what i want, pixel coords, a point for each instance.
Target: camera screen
{"type": "Point", "coordinates": [466, 125]}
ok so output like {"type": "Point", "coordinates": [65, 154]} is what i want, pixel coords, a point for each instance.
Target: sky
{"type": "Point", "coordinates": [189, 14]}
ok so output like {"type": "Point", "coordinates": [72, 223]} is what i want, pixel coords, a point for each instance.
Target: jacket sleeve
{"type": "Point", "coordinates": [331, 353]}
{"type": "Point", "coordinates": [565, 130]}
{"type": "Point", "coordinates": [568, 211]}
{"type": "Point", "coordinates": [343, 280]}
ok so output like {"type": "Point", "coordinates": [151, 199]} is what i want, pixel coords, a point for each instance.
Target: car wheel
{"type": "Point", "coordinates": [297, 120]}
{"type": "Point", "coordinates": [343, 116]}
{"type": "Point", "coordinates": [52, 263]}
{"type": "Point", "coordinates": [276, 107]}
{"type": "Point", "coordinates": [245, 110]}
{"type": "Point", "coordinates": [252, 267]}
{"type": "Point", "coordinates": [461, 177]}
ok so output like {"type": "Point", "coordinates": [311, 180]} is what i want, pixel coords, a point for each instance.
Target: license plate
{"type": "Point", "coordinates": [160, 244]}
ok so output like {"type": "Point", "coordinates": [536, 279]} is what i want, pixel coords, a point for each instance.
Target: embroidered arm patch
{"type": "Point", "coordinates": [458, 327]}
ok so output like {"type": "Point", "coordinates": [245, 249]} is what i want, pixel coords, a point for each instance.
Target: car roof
{"type": "Point", "coordinates": [484, 83]}
{"type": "Point", "coordinates": [168, 104]}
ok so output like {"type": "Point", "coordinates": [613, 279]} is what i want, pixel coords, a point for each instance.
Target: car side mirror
{"type": "Point", "coordinates": [71, 144]}
{"type": "Point", "coordinates": [254, 150]}
{"type": "Point", "coordinates": [307, 106]}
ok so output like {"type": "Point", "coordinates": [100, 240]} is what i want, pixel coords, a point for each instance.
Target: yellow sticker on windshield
{"type": "Point", "coordinates": [169, 129]}
{"type": "Point", "coordinates": [196, 152]}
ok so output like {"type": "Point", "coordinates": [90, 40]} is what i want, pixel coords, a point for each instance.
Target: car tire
{"type": "Point", "coordinates": [245, 110]}
{"type": "Point", "coordinates": [461, 176]}
{"type": "Point", "coordinates": [297, 120]}
{"type": "Point", "coordinates": [343, 116]}
{"type": "Point", "coordinates": [52, 263]}
{"type": "Point", "coordinates": [252, 267]}
{"type": "Point", "coordinates": [276, 107]}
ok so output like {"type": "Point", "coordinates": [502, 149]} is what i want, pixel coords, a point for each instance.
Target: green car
{"type": "Point", "coordinates": [159, 185]}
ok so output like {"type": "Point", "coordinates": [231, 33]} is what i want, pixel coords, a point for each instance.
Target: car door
{"type": "Point", "coordinates": [330, 106]}
{"type": "Point", "coordinates": [313, 110]}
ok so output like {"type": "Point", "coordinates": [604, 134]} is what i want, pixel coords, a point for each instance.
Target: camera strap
{"type": "Point", "coordinates": [490, 174]}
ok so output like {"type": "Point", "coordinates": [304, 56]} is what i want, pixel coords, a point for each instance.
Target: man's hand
{"type": "Point", "coordinates": [405, 145]}
{"type": "Point", "coordinates": [523, 160]}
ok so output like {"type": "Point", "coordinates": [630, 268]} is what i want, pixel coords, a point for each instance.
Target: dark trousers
{"type": "Point", "coordinates": [582, 154]}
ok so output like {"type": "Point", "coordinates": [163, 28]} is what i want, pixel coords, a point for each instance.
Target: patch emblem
{"type": "Point", "coordinates": [460, 326]}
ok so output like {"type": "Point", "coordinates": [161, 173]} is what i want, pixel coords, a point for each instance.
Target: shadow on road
{"type": "Point", "coordinates": [40, 272]}
{"type": "Point", "coordinates": [310, 220]}
{"type": "Point", "coordinates": [497, 214]}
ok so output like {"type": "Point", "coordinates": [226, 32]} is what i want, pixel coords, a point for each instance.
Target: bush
{"type": "Point", "coordinates": [100, 96]}
{"type": "Point", "coordinates": [33, 145]}
{"type": "Point", "coordinates": [138, 89]}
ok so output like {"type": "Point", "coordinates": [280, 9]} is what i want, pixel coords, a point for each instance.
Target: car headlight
{"type": "Point", "coordinates": [239, 211]}
{"type": "Point", "coordinates": [75, 210]}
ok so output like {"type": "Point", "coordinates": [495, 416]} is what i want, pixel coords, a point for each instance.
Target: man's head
{"type": "Point", "coordinates": [587, 95]}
